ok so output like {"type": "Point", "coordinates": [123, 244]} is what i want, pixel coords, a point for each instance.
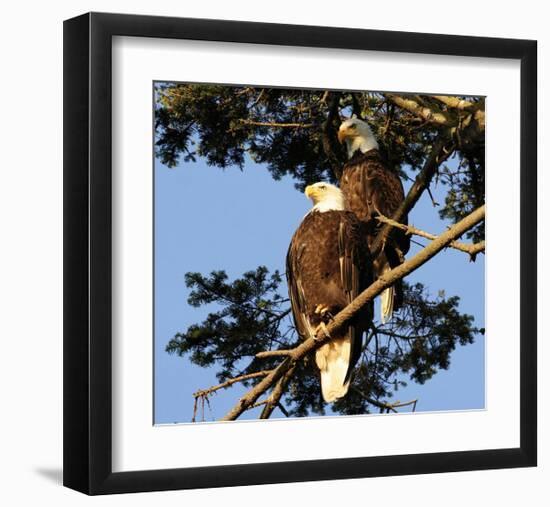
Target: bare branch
{"type": "Point", "coordinates": [230, 382]}
{"type": "Point", "coordinates": [272, 353]}
{"type": "Point", "coordinates": [283, 409]}
{"type": "Point", "coordinates": [435, 204]}
{"type": "Point", "coordinates": [384, 405]}
{"type": "Point", "coordinates": [383, 282]}
{"type": "Point", "coordinates": [401, 404]}
{"type": "Point", "coordinates": [276, 124]}
{"type": "Point", "coordinates": [470, 248]}
{"type": "Point", "coordinates": [258, 98]}
{"type": "Point", "coordinates": [258, 404]}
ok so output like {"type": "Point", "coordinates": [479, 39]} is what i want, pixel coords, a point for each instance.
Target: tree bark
{"type": "Point", "coordinates": [431, 115]}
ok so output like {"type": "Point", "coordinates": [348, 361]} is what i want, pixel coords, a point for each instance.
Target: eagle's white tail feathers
{"type": "Point", "coordinates": [333, 360]}
{"type": "Point", "coordinates": [386, 304]}
{"type": "Point", "coordinates": [386, 298]}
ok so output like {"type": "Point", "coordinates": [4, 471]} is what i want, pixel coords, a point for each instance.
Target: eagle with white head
{"type": "Point", "coordinates": [371, 188]}
{"type": "Point", "coordinates": [327, 266]}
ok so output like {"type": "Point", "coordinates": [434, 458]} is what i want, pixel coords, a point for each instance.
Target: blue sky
{"type": "Point", "coordinates": [207, 218]}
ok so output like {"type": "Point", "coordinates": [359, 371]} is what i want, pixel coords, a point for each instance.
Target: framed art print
{"type": "Point", "coordinates": [290, 248]}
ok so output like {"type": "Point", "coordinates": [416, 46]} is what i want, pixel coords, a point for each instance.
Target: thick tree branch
{"type": "Point", "coordinates": [477, 109]}
{"type": "Point", "coordinates": [455, 102]}
{"type": "Point", "coordinates": [428, 114]}
{"type": "Point", "coordinates": [470, 248]}
{"type": "Point", "coordinates": [469, 117]}
{"type": "Point", "coordinates": [479, 117]}
{"type": "Point", "coordinates": [383, 282]}
{"type": "Point", "coordinates": [274, 399]}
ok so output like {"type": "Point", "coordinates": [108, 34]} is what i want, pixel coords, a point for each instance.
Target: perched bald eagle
{"type": "Point", "coordinates": [327, 266]}
{"type": "Point", "coordinates": [371, 188]}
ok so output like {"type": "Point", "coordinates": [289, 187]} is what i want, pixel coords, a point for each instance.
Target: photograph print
{"type": "Point", "coordinates": [317, 252]}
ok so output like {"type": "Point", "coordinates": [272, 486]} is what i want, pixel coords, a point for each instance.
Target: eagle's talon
{"type": "Point", "coordinates": [324, 330]}
{"type": "Point", "coordinates": [322, 310]}
{"type": "Point", "coordinates": [400, 255]}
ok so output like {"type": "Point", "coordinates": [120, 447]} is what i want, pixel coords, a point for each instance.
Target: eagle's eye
{"type": "Point", "coordinates": [353, 126]}
{"type": "Point", "coordinates": [322, 187]}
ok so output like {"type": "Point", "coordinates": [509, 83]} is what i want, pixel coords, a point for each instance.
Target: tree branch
{"type": "Point", "coordinates": [274, 399]}
{"type": "Point", "coordinates": [470, 248]}
{"type": "Point", "coordinates": [246, 305]}
{"type": "Point", "coordinates": [276, 124]}
{"type": "Point", "coordinates": [472, 110]}
{"type": "Point", "coordinates": [430, 115]}
{"type": "Point", "coordinates": [455, 102]}
{"type": "Point", "coordinates": [231, 381]}
{"type": "Point", "coordinates": [384, 405]}
{"type": "Point", "coordinates": [441, 151]}
{"type": "Point", "coordinates": [353, 308]}
{"type": "Point", "coordinates": [272, 353]}
{"type": "Point", "coordinates": [257, 404]}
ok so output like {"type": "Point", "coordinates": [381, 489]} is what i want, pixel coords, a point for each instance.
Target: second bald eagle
{"type": "Point", "coordinates": [371, 188]}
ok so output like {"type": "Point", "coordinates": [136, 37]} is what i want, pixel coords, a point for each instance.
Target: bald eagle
{"type": "Point", "coordinates": [327, 266]}
{"type": "Point", "coordinates": [371, 188]}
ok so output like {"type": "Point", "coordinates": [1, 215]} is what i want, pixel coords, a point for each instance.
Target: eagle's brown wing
{"type": "Point", "coordinates": [370, 188]}
{"type": "Point", "coordinates": [295, 289]}
{"type": "Point", "coordinates": [356, 275]}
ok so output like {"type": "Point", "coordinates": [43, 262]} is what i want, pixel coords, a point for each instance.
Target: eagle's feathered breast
{"type": "Point", "coordinates": [370, 188]}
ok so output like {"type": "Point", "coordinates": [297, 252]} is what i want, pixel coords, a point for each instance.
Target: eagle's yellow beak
{"type": "Point", "coordinates": [309, 191]}
{"type": "Point", "coordinates": [342, 134]}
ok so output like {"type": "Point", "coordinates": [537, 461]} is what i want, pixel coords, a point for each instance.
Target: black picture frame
{"type": "Point", "coordinates": [87, 358]}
